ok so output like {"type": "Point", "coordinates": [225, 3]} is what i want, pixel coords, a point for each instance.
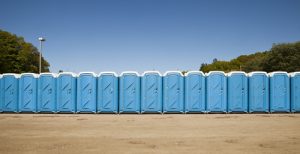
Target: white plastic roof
{"type": "Point", "coordinates": [9, 74]}
{"type": "Point", "coordinates": [221, 72]}
{"type": "Point", "coordinates": [67, 73]}
{"type": "Point", "coordinates": [151, 72]}
{"type": "Point", "coordinates": [294, 74]}
{"type": "Point", "coordinates": [92, 73]}
{"type": "Point", "coordinates": [257, 72]}
{"type": "Point", "coordinates": [29, 74]}
{"type": "Point", "coordinates": [176, 72]}
{"type": "Point", "coordinates": [114, 73]}
{"type": "Point", "coordinates": [52, 74]}
{"type": "Point", "coordinates": [194, 72]}
{"type": "Point", "coordinates": [236, 72]}
{"type": "Point", "coordinates": [278, 72]}
{"type": "Point", "coordinates": [130, 72]}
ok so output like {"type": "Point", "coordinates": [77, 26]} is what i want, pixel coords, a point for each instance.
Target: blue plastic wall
{"type": "Point", "coordinates": [47, 93]}
{"type": "Point", "coordinates": [27, 93]}
{"type": "Point", "coordinates": [130, 93]}
{"type": "Point", "coordinates": [195, 92]}
{"type": "Point", "coordinates": [108, 93]}
{"type": "Point", "coordinates": [258, 92]}
{"type": "Point", "coordinates": [173, 97]}
{"type": "Point", "coordinates": [1, 94]}
{"type": "Point", "coordinates": [216, 84]}
{"type": "Point", "coordinates": [10, 93]}
{"type": "Point", "coordinates": [237, 83]}
{"type": "Point", "coordinates": [151, 93]}
{"type": "Point", "coordinates": [295, 92]}
{"type": "Point", "coordinates": [66, 93]}
{"type": "Point", "coordinates": [86, 93]}
{"type": "Point", "coordinates": [279, 92]}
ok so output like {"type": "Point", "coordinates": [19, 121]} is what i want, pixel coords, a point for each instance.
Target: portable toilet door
{"type": "Point", "coordinates": [258, 92]}
{"type": "Point", "coordinates": [28, 92]}
{"type": "Point", "coordinates": [216, 84]}
{"type": "Point", "coordinates": [10, 91]}
{"type": "Point", "coordinates": [66, 92]}
{"type": "Point", "coordinates": [237, 83]}
{"type": "Point", "coordinates": [173, 92]}
{"type": "Point", "coordinates": [151, 92]}
{"type": "Point", "coordinates": [86, 92]}
{"type": "Point", "coordinates": [107, 95]}
{"type": "Point", "coordinates": [47, 92]}
{"type": "Point", "coordinates": [130, 92]}
{"type": "Point", "coordinates": [279, 92]}
{"type": "Point", "coordinates": [194, 92]}
{"type": "Point", "coordinates": [1, 94]}
{"type": "Point", "coordinates": [295, 92]}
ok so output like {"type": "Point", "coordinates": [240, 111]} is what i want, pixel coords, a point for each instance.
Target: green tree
{"type": "Point", "coordinates": [283, 57]}
{"type": "Point", "coordinates": [18, 56]}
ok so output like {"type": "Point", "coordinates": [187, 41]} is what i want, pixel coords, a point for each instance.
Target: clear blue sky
{"type": "Point", "coordinates": [122, 35]}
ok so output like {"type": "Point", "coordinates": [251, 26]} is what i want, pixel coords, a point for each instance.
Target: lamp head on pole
{"type": "Point", "coordinates": [42, 39]}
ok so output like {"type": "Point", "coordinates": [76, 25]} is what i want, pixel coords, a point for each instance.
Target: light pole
{"type": "Point", "coordinates": [41, 39]}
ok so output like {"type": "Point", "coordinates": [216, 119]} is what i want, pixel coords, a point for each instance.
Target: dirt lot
{"type": "Point", "coordinates": [174, 133]}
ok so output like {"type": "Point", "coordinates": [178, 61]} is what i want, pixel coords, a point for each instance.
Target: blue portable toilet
{"type": "Point", "coordinates": [47, 92]}
{"type": "Point", "coordinates": [86, 92]}
{"type": "Point", "coordinates": [237, 83]}
{"type": "Point", "coordinates": [28, 92]}
{"type": "Point", "coordinates": [295, 92]}
{"type": "Point", "coordinates": [216, 93]}
{"type": "Point", "coordinates": [194, 92]}
{"type": "Point", "coordinates": [173, 92]}
{"type": "Point", "coordinates": [10, 87]}
{"type": "Point", "coordinates": [279, 92]}
{"type": "Point", "coordinates": [258, 92]}
{"type": "Point", "coordinates": [151, 97]}
{"type": "Point", "coordinates": [1, 94]}
{"type": "Point", "coordinates": [108, 93]}
{"type": "Point", "coordinates": [66, 92]}
{"type": "Point", "coordinates": [130, 101]}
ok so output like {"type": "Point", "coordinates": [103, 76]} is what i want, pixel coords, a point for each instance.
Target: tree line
{"type": "Point", "coordinates": [281, 57]}
{"type": "Point", "coordinates": [18, 56]}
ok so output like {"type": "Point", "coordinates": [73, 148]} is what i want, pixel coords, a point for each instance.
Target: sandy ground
{"type": "Point", "coordinates": [169, 133]}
